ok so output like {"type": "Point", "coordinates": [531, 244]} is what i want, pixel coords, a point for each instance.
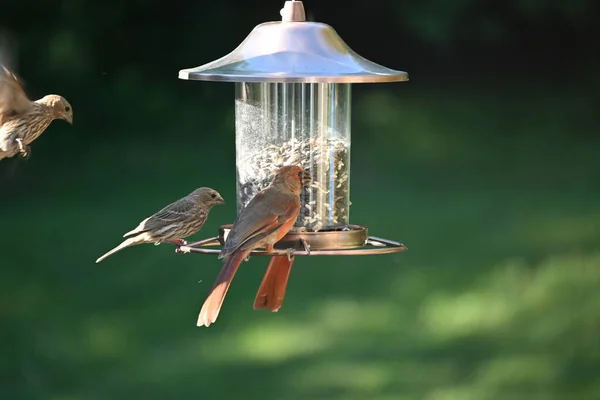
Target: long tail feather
{"type": "Point", "coordinates": [214, 301]}
{"type": "Point", "coordinates": [126, 243]}
{"type": "Point", "coordinates": [274, 284]}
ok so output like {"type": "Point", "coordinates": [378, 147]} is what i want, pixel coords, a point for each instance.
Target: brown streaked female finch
{"type": "Point", "coordinates": [173, 223]}
{"type": "Point", "coordinates": [266, 219]}
{"type": "Point", "coordinates": [21, 120]}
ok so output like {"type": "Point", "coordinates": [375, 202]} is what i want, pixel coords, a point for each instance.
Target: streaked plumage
{"type": "Point", "coordinates": [21, 120]}
{"type": "Point", "coordinates": [173, 223]}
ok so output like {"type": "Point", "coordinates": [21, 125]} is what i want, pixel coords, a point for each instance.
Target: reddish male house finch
{"type": "Point", "coordinates": [21, 120]}
{"type": "Point", "coordinates": [265, 220]}
{"type": "Point", "coordinates": [173, 223]}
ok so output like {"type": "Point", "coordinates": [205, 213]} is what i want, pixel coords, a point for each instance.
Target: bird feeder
{"type": "Point", "coordinates": [292, 107]}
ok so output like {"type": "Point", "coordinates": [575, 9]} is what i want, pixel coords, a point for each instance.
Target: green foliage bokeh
{"type": "Point", "coordinates": [485, 164]}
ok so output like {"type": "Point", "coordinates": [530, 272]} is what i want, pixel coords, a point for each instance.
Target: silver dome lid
{"type": "Point", "coordinates": [293, 51]}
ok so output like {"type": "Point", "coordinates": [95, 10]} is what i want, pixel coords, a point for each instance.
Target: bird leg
{"type": "Point", "coordinates": [24, 149]}
{"type": "Point", "coordinates": [182, 246]}
{"type": "Point", "coordinates": [306, 246]}
{"type": "Point", "coordinates": [289, 253]}
{"type": "Point", "coordinates": [270, 249]}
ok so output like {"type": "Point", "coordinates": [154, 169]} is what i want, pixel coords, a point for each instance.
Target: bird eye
{"type": "Point", "coordinates": [300, 174]}
{"type": "Point", "coordinates": [67, 109]}
{"type": "Point", "coordinates": [213, 195]}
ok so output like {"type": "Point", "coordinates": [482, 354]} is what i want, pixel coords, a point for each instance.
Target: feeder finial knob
{"type": "Point", "coordinates": [293, 11]}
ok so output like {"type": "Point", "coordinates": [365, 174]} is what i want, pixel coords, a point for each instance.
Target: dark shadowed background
{"type": "Point", "coordinates": [486, 164]}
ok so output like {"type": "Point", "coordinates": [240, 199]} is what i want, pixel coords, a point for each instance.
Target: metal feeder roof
{"type": "Point", "coordinates": [293, 51]}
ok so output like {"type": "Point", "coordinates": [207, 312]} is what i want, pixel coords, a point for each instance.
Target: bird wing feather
{"type": "Point", "coordinates": [13, 100]}
{"type": "Point", "coordinates": [265, 213]}
{"type": "Point", "coordinates": [176, 211]}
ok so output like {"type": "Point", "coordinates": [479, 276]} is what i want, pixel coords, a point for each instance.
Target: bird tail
{"type": "Point", "coordinates": [272, 288]}
{"type": "Point", "coordinates": [126, 243]}
{"type": "Point", "coordinates": [214, 301]}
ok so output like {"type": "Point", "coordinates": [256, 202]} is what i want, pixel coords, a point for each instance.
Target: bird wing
{"type": "Point", "coordinates": [265, 213]}
{"type": "Point", "coordinates": [177, 211]}
{"type": "Point", "coordinates": [13, 99]}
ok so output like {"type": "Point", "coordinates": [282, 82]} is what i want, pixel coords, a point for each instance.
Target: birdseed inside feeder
{"type": "Point", "coordinates": [292, 107]}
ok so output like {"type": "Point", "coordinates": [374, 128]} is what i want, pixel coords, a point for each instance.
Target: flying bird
{"type": "Point", "coordinates": [173, 223]}
{"type": "Point", "coordinates": [263, 222]}
{"type": "Point", "coordinates": [21, 120]}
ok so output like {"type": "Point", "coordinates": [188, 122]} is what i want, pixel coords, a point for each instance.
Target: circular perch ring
{"type": "Point", "coordinates": [351, 240]}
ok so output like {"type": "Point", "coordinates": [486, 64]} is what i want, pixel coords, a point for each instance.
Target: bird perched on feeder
{"type": "Point", "coordinates": [173, 223]}
{"type": "Point", "coordinates": [263, 222]}
{"type": "Point", "coordinates": [21, 120]}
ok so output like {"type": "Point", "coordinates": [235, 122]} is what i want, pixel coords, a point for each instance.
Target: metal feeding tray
{"type": "Point", "coordinates": [351, 240]}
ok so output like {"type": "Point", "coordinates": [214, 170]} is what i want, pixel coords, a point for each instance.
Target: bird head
{"type": "Point", "coordinates": [61, 108]}
{"type": "Point", "coordinates": [208, 196]}
{"type": "Point", "coordinates": [293, 176]}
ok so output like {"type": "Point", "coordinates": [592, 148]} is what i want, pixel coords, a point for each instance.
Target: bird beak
{"type": "Point", "coordinates": [220, 201]}
{"type": "Point", "coordinates": [69, 118]}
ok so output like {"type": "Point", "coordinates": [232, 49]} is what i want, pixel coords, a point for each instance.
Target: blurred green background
{"type": "Point", "coordinates": [486, 164]}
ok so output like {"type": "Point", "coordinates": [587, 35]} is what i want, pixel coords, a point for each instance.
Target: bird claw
{"type": "Point", "coordinates": [24, 149]}
{"type": "Point", "coordinates": [182, 246]}
{"type": "Point", "coordinates": [289, 253]}
{"type": "Point", "coordinates": [183, 249]}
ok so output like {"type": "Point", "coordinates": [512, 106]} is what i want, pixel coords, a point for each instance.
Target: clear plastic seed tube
{"type": "Point", "coordinates": [306, 124]}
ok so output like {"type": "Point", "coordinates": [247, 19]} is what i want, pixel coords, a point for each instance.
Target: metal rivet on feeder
{"type": "Point", "coordinates": [292, 86]}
